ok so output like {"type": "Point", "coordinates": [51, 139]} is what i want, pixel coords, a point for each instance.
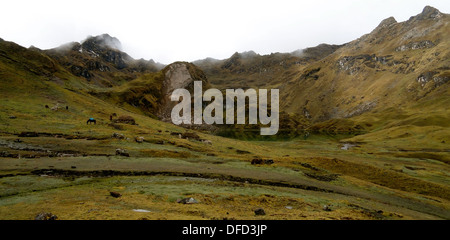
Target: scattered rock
{"type": "Point", "coordinates": [288, 207]}
{"type": "Point", "coordinates": [18, 140]}
{"type": "Point", "coordinates": [425, 77]}
{"type": "Point", "coordinates": [141, 210]}
{"type": "Point", "coordinates": [415, 45]}
{"type": "Point", "coordinates": [269, 161]}
{"type": "Point", "coordinates": [257, 161]}
{"type": "Point", "coordinates": [347, 146]}
{"type": "Point", "coordinates": [205, 141]}
{"type": "Point", "coordinates": [56, 107]}
{"type": "Point", "coordinates": [118, 136]}
{"type": "Point", "coordinates": [260, 212]}
{"type": "Point", "coordinates": [190, 135]}
{"type": "Point", "coordinates": [327, 208]}
{"type": "Point", "coordinates": [122, 152]}
{"type": "Point", "coordinates": [45, 216]}
{"type": "Point", "coordinates": [139, 139]}
{"type": "Point", "coordinates": [115, 194]}
{"type": "Point", "coordinates": [126, 120]}
{"type": "Point", "coordinates": [187, 201]}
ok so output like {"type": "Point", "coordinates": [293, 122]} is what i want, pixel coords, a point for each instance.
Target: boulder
{"type": "Point", "coordinates": [122, 152]}
{"type": "Point", "coordinates": [45, 216]}
{"type": "Point", "coordinates": [327, 208]}
{"type": "Point", "coordinates": [260, 212]}
{"type": "Point", "coordinates": [115, 194]}
{"type": "Point", "coordinates": [205, 141]}
{"type": "Point", "coordinates": [187, 201]}
{"type": "Point", "coordinates": [118, 136]}
{"type": "Point", "coordinates": [269, 161]}
{"type": "Point", "coordinates": [257, 161]}
{"type": "Point", "coordinates": [190, 135]}
{"type": "Point", "coordinates": [125, 119]}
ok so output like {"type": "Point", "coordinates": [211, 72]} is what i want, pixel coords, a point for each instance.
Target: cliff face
{"type": "Point", "coordinates": [178, 75]}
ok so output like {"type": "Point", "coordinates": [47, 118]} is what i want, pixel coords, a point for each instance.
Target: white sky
{"type": "Point", "coordinates": [176, 30]}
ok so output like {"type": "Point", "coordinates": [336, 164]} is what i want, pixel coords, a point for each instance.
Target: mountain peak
{"type": "Point", "coordinates": [429, 13]}
{"type": "Point", "coordinates": [387, 22]}
{"type": "Point", "coordinates": [384, 24]}
{"type": "Point", "coordinates": [101, 42]}
{"type": "Point", "coordinates": [248, 54]}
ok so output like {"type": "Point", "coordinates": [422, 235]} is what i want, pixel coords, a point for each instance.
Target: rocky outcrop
{"type": "Point", "coordinates": [125, 119]}
{"type": "Point", "coordinates": [115, 194]}
{"type": "Point", "coordinates": [428, 13]}
{"type": "Point", "coordinates": [352, 65]}
{"type": "Point", "coordinates": [187, 201]}
{"type": "Point", "coordinates": [45, 216]}
{"type": "Point", "coordinates": [179, 75]}
{"type": "Point", "coordinates": [99, 58]}
{"type": "Point", "coordinates": [434, 76]}
{"type": "Point", "coordinates": [108, 48]}
{"type": "Point", "coordinates": [385, 23]}
{"type": "Point", "coordinates": [415, 45]}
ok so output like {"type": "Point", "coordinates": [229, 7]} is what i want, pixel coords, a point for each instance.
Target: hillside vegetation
{"type": "Point", "coordinates": [364, 132]}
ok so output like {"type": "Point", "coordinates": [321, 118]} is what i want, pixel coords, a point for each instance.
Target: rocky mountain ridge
{"type": "Point", "coordinates": [101, 61]}
{"type": "Point", "coordinates": [352, 88]}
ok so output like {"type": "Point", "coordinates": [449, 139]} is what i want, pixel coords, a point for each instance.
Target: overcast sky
{"type": "Point", "coordinates": [169, 31]}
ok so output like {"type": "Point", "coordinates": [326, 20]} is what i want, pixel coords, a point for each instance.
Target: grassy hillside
{"type": "Point", "coordinates": [371, 121]}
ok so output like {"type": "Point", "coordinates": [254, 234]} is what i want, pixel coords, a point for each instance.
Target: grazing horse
{"type": "Point", "coordinates": [91, 120]}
